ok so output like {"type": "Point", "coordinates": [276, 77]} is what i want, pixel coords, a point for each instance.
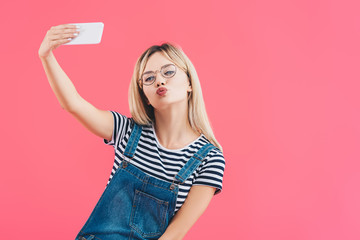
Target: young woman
{"type": "Point", "coordinates": [168, 164]}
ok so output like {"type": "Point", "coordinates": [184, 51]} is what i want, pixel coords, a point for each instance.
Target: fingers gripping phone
{"type": "Point", "coordinates": [90, 33]}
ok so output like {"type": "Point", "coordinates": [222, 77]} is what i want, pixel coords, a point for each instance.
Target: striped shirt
{"type": "Point", "coordinates": [159, 162]}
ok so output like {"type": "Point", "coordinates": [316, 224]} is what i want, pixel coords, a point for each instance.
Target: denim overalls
{"type": "Point", "coordinates": [135, 205]}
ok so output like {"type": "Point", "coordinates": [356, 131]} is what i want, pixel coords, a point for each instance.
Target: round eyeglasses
{"type": "Point", "coordinates": [167, 71]}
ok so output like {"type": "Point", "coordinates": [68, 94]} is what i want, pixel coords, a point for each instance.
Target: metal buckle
{"type": "Point", "coordinates": [125, 164]}
{"type": "Point", "coordinates": [172, 186]}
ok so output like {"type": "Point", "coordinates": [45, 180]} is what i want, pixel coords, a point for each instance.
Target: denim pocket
{"type": "Point", "coordinates": [149, 214]}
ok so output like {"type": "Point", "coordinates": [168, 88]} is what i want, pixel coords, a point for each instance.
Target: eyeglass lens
{"type": "Point", "coordinates": [166, 71]}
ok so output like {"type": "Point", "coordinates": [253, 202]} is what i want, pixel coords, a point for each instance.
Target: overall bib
{"type": "Point", "coordinates": [135, 205]}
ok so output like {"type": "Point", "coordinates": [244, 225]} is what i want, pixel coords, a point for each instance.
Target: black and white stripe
{"type": "Point", "coordinates": [164, 164]}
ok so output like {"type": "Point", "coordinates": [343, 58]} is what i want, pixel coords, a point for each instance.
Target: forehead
{"type": "Point", "coordinates": [156, 61]}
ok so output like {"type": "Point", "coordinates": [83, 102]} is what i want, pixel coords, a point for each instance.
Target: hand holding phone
{"type": "Point", "coordinates": [90, 33]}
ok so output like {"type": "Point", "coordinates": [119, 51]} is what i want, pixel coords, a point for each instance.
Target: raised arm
{"type": "Point", "coordinates": [99, 122]}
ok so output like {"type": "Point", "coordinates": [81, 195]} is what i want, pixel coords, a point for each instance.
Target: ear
{"type": "Point", "coordinates": [189, 87]}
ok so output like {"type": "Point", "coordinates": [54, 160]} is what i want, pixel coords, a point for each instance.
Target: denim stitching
{"type": "Point", "coordinates": [202, 155]}
{"type": "Point", "coordinates": [135, 201]}
{"type": "Point", "coordinates": [133, 135]}
{"type": "Point", "coordinates": [147, 182]}
{"type": "Point", "coordinates": [187, 168]}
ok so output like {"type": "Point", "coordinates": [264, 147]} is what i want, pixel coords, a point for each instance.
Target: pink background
{"type": "Point", "coordinates": [281, 85]}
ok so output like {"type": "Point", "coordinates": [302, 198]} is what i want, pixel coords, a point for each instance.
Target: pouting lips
{"type": "Point", "coordinates": [161, 91]}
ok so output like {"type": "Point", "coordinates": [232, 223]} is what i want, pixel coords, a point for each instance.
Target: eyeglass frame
{"type": "Point", "coordinates": [155, 74]}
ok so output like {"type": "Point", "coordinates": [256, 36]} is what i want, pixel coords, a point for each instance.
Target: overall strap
{"type": "Point", "coordinates": [194, 162]}
{"type": "Point", "coordinates": [133, 141]}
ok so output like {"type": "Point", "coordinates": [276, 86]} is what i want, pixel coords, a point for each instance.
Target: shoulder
{"type": "Point", "coordinates": [119, 118]}
{"type": "Point", "coordinates": [215, 156]}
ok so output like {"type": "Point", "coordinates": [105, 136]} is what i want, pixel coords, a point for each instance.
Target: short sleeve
{"type": "Point", "coordinates": [120, 123]}
{"type": "Point", "coordinates": [211, 172]}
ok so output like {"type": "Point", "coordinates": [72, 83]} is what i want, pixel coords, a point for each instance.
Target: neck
{"type": "Point", "coordinates": [172, 127]}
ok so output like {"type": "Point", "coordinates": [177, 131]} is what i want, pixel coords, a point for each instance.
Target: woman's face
{"type": "Point", "coordinates": [177, 86]}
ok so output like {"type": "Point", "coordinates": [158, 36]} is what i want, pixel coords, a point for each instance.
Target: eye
{"type": "Point", "coordinates": [149, 79]}
{"type": "Point", "coordinates": [169, 73]}
{"type": "Point", "coordinates": [168, 70]}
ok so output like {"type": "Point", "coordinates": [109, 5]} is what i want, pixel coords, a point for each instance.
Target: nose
{"type": "Point", "coordinates": [160, 80]}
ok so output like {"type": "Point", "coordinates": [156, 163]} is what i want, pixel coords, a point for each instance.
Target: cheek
{"type": "Point", "coordinates": [182, 86]}
{"type": "Point", "coordinates": [181, 81]}
{"type": "Point", "coordinates": [146, 92]}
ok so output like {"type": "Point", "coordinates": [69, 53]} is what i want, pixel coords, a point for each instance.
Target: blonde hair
{"type": "Point", "coordinates": [143, 114]}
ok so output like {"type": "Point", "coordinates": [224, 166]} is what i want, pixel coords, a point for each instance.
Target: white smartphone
{"type": "Point", "coordinates": [90, 33]}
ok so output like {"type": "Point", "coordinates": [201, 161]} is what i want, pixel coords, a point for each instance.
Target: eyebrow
{"type": "Point", "coordinates": [160, 68]}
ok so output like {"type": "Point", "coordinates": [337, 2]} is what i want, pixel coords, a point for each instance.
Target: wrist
{"type": "Point", "coordinates": [46, 58]}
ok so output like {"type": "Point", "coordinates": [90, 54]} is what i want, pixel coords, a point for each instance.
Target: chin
{"type": "Point", "coordinates": [168, 104]}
